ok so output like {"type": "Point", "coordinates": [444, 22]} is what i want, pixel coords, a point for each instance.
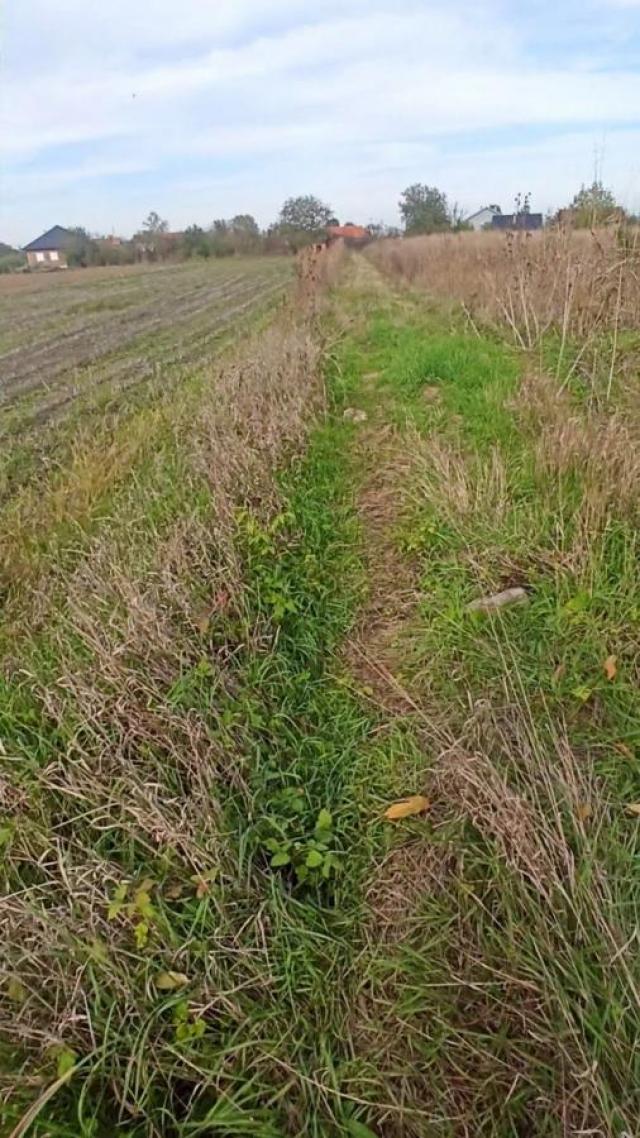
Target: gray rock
{"type": "Point", "coordinates": [514, 596]}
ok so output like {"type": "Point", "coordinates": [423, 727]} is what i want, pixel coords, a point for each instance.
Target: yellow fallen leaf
{"type": "Point", "coordinates": [610, 667]}
{"type": "Point", "coordinates": [634, 808]}
{"type": "Point", "coordinates": [415, 804]}
{"type": "Point", "coordinates": [169, 981]}
{"type": "Point", "coordinates": [584, 811]}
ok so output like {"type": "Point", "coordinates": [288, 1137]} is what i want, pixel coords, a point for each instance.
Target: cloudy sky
{"type": "Point", "coordinates": [205, 108]}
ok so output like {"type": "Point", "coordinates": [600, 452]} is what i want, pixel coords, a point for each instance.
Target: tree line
{"type": "Point", "coordinates": [304, 220]}
{"type": "Point", "coordinates": [425, 209]}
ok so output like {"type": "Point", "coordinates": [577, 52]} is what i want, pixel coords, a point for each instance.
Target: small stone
{"type": "Point", "coordinates": [354, 415]}
{"type": "Point", "coordinates": [512, 596]}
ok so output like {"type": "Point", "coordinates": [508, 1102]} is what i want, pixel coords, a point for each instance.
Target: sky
{"type": "Point", "coordinates": [207, 108]}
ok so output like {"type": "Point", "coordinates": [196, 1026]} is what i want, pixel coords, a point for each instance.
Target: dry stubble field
{"type": "Point", "coordinates": [87, 359]}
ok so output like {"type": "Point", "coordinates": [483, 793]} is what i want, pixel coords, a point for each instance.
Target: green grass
{"type": "Point", "coordinates": [268, 927]}
{"type": "Point", "coordinates": [245, 946]}
{"type": "Point", "coordinates": [535, 678]}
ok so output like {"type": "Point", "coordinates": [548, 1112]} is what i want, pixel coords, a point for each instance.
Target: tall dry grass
{"type": "Point", "coordinates": [117, 749]}
{"type": "Point", "coordinates": [575, 286]}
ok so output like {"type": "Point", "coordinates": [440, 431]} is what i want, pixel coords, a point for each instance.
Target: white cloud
{"type": "Point", "coordinates": [247, 96]}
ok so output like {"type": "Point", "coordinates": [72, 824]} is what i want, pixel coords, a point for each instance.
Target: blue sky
{"type": "Point", "coordinates": [205, 108]}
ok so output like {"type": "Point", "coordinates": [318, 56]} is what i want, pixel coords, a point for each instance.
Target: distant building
{"type": "Point", "coordinates": [483, 217]}
{"type": "Point", "coordinates": [522, 220]}
{"type": "Point", "coordinates": [354, 236]}
{"type": "Point", "coordinates": [50, 250]}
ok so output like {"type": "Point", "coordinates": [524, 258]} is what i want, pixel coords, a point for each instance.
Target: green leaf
{"type": "Point", "coordinates": [116, 905]}
{"type": "Point", "coordinates": [324, 820]}
{"type": "Point", "coordinates": [314, 859]}
{"type": "Point", "coordinates": [141, 934]}
{"type": "Point", "coordinates": [280, 858]}
{"type": "Point", "coordinates": [16, 991]}
{"type": "Point", "coordinates": [66, 1061]}
{"type": "Point", "coordinates": [359, 1130]}
{"type": "Point", "coordinates": [6, 834]}
{"type": "Point", "coordinates": [582, 692]}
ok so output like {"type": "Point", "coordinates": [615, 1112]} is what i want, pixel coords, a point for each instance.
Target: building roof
{"type": "Point", "coordinates": [56, 238]}
{"type": "Point", "coordinates": [492, 209]}
{"type": "Point", "coordinates": [522, 220]}
{"type": "Point", "coordinates": [355, 232]}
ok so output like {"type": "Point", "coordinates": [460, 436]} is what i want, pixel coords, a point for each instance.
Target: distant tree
{"type": "Point", "coordinates": [306, 212]}
{"type": "Point", "coordinates": [594, 205]}
{"type": "Point", "coordinates": [457, 219]}
{"type": "Point", "coordinates": [245, 233]}
{"type": "Point", "coordinates": [304, 219]}
{"type": "Point", "coordinates": [195, 242]}
{"type": "Point", "coordinates": [85, 249]}
{"type": "Point", "coordinates": [153, 223]}
{"type": "Point", "coordinates": [221, 238]}
{"type": "Point", "coordinates": [424, 209]}
{"type": "Point", "coordinates": [11, 259]}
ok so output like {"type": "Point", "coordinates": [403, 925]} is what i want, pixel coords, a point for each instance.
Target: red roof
{"type": "Point", "coordinates": [357, 232]}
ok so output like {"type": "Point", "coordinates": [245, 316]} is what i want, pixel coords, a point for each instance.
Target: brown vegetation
{"type": "Point", "coordinates": [145, 606]}
{"type": "Point", "coordinates": [574, 285]}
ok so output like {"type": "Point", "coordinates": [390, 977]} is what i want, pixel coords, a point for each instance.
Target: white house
{"type": "Point", "coordinates": [483, 216]}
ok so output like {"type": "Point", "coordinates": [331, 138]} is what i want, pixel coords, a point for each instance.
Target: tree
{"type": "Point", "coordinates": [221, 238]}
{"type": "Point", "coordinates": [245, 233]}
{"type": "Point", "coordinates": [594, 205]}
{"type": "Point", "coordinates": [424, 209]}
{"type": "Point", "coordinates": [195, 242]}
{"type": "Point", "coordinates": [154, 224]}
{"type": "Point", "coordinates": [306, 216]}
{"type": "Point", "coordinates": [84, 251]}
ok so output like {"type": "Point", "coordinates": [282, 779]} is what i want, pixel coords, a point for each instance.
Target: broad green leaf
{"type": "Point", "coordinates": [66, 1061]}
{"type": "Point", "coordinates": [280, 858]}
{"type": "Point", "coordinates": [314, 859]}
{"type": "Point", "coordinates": [324, 820]}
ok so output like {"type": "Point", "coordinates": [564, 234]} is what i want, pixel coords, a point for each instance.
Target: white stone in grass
{"type": "Point", "coordinates": [512, 596]}
{"type": "Point", "coordinates": [354, 415]}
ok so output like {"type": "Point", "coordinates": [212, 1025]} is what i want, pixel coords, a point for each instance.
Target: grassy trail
{"type": "Point", "coordinates": [251, 948]}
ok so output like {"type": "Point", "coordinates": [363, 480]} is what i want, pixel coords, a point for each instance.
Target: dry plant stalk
{"type": "Point", "coordinates": [577, 285]}
{"type": "Point", "coordinates": [140, 768]}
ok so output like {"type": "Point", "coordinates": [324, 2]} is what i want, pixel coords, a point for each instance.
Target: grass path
{"type": "Point", "coordinates": [234, 939]}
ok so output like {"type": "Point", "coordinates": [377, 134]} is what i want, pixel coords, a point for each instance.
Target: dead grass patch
{"type": "Point", "coordinates": [137, 755]}
{"type": "Point", "coordinates": [381, 504]}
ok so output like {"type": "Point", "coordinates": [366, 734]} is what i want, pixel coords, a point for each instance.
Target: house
{"type": "Point", "coordinates": [522, 220]}
{"type": "Point", "coordinates": [50, 250]}
{"type": "Point", "coordinates": [483, 217]}
{"type": "Point", "coordinates": [354, 236]}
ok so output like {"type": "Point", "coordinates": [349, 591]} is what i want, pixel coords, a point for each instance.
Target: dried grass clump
{"type": "Point", "coordinates": [602, 450]}
{"type": "Point", "coordinates": [512, 941]}
{"type": "Point", "coordinates": [461, 487]}
{"type": "Point", "coordinates": [126, 782]}
{"type": "Point", "coordinates": [578, 285]}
